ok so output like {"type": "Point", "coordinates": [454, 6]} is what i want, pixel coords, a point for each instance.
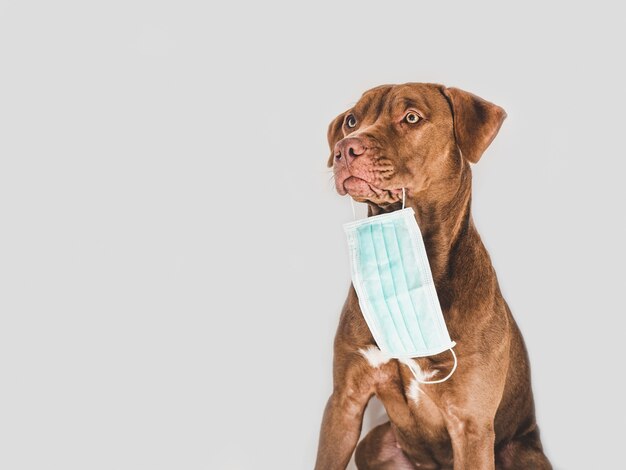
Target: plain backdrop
{"type": "Point", "coordinates": [172, 261]}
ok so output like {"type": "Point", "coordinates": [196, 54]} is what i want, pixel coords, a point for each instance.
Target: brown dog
{"type": "Point", "coordinates": [423, 137]}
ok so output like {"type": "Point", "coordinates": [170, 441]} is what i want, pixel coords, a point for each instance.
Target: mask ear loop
{"type": "Point", "coordinates": [428, 382]}
{"type": "Point", "coordinates": [354, 208]}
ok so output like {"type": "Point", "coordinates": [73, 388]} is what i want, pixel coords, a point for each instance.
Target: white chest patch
{"type": "Point", "coordinates": [413, 390]}
{"type": "Point", "coordinates": [374, 356]}
{"type": "Point", "coordinates": [422, 375]}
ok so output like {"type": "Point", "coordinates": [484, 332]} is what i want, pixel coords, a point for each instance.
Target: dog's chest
{"type": "Point", "coordinates": [400, 391]}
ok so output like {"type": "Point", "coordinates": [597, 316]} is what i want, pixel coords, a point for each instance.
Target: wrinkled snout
{"type": "Point", "coordinates": [360, 171]}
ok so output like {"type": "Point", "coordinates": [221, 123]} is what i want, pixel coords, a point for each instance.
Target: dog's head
{"type": "Point", "coordinates": [415, 136]}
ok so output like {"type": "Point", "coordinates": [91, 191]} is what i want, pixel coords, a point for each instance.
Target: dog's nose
{"type": "Point", "coordinates": [349, 148]}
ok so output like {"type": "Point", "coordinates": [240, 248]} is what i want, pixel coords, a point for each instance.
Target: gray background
{"type": "Point", "coordinates": [172, 260]}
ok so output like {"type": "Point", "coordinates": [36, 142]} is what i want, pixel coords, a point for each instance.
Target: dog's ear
{"type": "Point", "coordinates": [335, 135]}
{"type": "Point", "coordinates": [476, 122]}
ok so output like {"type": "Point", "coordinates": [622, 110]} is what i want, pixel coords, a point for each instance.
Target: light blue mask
{"type": "Point", "coordinates": [394, 284]}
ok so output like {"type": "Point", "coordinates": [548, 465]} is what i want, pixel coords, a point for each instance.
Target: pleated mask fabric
{"type": "Point", "coordinates": [394, 284]}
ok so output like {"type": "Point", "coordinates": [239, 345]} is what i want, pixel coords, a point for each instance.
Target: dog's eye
{"type": "Point", "coordinates": [351, 121]}
{"type": "Point", "coordinates": [411, 118]}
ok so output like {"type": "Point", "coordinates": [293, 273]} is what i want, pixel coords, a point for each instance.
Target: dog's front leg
{"type": "Point", "coordinates": [469, 403]}
{"type": "Point", "coordinates": [341, 428]}
{"type": "Point", "coordinates": [343, 416]}
{"type": "Point", "coordinates": [473, 441]}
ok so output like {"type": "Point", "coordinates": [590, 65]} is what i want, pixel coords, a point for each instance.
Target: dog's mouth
{"type": "Point", "coordinates": [361, 190]}
{"type": "Point", "coordinates": [366, 180]}
{"type": "Point", "coordinates": [355, 186]}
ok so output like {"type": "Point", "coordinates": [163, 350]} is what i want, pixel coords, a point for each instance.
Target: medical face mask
{"type": "Point", "coordinates": [394, 284]}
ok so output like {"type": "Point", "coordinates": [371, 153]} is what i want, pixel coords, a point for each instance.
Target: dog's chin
{"type": "Point", "coordinates": [363, 191]}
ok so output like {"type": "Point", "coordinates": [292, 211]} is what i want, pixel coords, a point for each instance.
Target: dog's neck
{"type": "Point", "coordinates": [443, 214]}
